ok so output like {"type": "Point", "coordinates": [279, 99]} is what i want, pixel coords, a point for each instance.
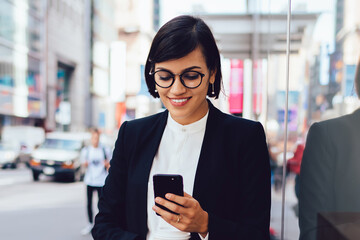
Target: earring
{"type": "Point", "coordinates": [213, 91]}
{"type": "Point", "coordinates": [156, 90]}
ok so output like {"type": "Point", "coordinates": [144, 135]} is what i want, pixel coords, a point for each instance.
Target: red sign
{"type": "Point", "coordinates": [236, 98]}
{"type": "Point", "coordinates": [257, 87]}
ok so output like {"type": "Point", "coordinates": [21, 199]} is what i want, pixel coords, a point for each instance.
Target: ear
{"type": "Point", "coordinates": [212, 76]}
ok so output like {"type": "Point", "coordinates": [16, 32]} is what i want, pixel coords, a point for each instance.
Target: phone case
{"type": "Point", "coordinates": [167, 183]}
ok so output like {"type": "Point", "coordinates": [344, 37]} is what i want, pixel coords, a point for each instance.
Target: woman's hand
{"type": "Point", "coordinates": [191, 218]}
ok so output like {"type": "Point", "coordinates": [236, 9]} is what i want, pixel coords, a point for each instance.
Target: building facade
{"type": "Point", "coordinates": [103, 33]}
{"type": "Point", "coordinates": [137, 22]}
{"type": "Point", "coordinates": [42, 64]}
{"type": "Point", "coordinates": [66, 73]}
{"type": "Point", "coordinates": [22, 82]}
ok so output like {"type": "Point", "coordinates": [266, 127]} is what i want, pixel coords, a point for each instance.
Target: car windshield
{"type": "Point", "coordinates": [62, 144]}
{"type": "Point", "coordinates": [5, 146]}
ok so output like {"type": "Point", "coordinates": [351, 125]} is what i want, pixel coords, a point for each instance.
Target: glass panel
{"type": "Point", "coordinates": [329, 193]}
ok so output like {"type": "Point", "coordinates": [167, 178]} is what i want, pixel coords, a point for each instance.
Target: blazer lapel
{"type": "Point", "coordinates": [149, 149]}
{"type": "Point", "coordinates": [207, 160]}
{"type": "Point", "coordinates": [141, 170]}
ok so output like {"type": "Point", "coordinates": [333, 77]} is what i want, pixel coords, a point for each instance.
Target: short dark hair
{"type": "Point", "coordinates": [95, 130]}
{"type": "Point", "coordinates": [179, 37]}
{"type": "Point", "coordinates": [357, 79]}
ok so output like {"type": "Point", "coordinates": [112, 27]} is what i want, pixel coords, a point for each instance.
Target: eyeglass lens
{"type": "Point", "coordinates": [190, 79]}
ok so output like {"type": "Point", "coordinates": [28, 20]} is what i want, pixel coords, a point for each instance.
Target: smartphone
{"type": "Point", "coordinates": [167, 183]}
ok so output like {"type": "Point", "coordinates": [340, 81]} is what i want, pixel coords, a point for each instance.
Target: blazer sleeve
{"type": "Point", "coordinates": [110, 221]}
{"type": "Point", "coordinates": [254, 202]}
{"type": "Point", "coordinates": [315, 180]}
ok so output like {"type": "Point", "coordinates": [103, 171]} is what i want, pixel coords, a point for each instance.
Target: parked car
{"type": "Point", "coordinates": [9, 156]}
{"type": "Point", "coordinates": [59, 156]}
{"type": "Point", "coordinates": [23, 139]}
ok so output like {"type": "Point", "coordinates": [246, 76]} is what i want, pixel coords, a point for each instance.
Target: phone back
{"type": "Point", "coordinates": [167, 183]}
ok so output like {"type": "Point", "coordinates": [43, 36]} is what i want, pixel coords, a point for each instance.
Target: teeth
{"type": "Point", "coordinates": [179, 100]}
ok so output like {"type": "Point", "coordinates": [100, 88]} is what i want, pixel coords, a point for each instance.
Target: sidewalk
{"type": "Point", "coordinates": [291, 226]}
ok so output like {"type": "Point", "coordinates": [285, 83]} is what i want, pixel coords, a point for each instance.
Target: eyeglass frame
{"type": "Point", "coordinates": [173, 75]}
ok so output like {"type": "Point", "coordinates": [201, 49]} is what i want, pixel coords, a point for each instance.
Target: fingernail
{"type": "Point", "coordinates": [168, 196]}
{"type": "Point", "coordinates": [158, 200]}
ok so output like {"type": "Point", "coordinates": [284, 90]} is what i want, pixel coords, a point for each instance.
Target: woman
{"type": "Point", "coordinates": [223, 159]}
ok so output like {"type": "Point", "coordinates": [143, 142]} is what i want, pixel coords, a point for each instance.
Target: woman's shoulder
{"type": "Point", "coordinates": [146, 123]}
{"type": "Point", "coordinates": [234, 127]}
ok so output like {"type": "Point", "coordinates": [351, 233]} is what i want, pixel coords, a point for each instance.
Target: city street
{"type": "Point", "coordinates": [291, 226]}
{"type": "Point", "coordinates": [55, 210]}
{"type": "Point", "coordinates": [40, 210]}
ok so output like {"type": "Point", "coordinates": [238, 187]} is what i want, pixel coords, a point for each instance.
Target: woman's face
{"type": "Point", "coordinates": [184, 104]}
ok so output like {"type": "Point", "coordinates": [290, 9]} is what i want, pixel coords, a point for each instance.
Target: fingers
{"type": "Point", "coordinates": [191, 218]}
{"type": "Point", "coordinates": [173, 219]}
{"type": "Point", "coordinates": [163, 213]}
{"type": "Point", "coordinates": [170, 205]}
{"type": "Point", "coordinates": [186, 200]}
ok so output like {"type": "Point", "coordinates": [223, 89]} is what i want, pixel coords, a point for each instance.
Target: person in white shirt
{"type": "Point", "coordinates": [223, 159]}
{"type": "Point", "coordinates": [96, 161]}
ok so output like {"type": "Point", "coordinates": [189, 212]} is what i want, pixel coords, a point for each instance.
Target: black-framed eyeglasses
{"type": "Point", "coordinates": [165, 79]}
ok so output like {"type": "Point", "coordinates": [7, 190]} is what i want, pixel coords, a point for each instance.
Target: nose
{"type": "Point", "coordinates": [177, 88]}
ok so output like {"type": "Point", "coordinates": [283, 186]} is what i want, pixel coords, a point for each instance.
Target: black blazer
{"type": "Point", "coordinates": [232, 181]}
{"type": "Point", "coordinates": [330, 171]}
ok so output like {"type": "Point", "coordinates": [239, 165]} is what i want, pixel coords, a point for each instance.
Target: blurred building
{"type": "Point", "coordinates": [347, 41]}
{"type": "Point", "coordinates": [137, 22]}
{"type": "Point", "coordinates": [100, 18]}
{"type": "Point", "coordinates": [341, 93]}
{"type": "Point", "coordinates": [349, 37]}
{"type": "Point", "coordinates": [22, 82]}
{"type": "Point", "coordinates": [42, 64]}
{"type": "Point", "coordinates": [65, 65]}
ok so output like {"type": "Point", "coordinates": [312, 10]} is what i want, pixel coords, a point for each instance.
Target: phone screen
{"type": "Point", "coordinates": [167, 183]}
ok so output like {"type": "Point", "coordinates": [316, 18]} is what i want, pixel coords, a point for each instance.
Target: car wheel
{"type": "Point", "coordinates": [35, 176]}
{"type": "Point", "coordinates": [74, 176]}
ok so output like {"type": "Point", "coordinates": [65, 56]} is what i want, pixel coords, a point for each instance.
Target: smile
{"type": "Point", "coordinates": [179, 101]}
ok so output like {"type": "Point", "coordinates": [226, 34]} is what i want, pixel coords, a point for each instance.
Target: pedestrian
{"type": "Point", "coordinates": [329, 176]}
{"type": "Point", "coordinates": [96, 161]}
{"type": "Point", "coordinates": [223, 159]}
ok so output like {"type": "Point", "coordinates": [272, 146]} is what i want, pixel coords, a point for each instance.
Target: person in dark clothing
{"type": "Point", "coordinates": [329, 176]}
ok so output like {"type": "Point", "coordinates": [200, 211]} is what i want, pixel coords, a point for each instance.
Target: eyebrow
{"type": "Point", "coordinates": [184, 70]}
